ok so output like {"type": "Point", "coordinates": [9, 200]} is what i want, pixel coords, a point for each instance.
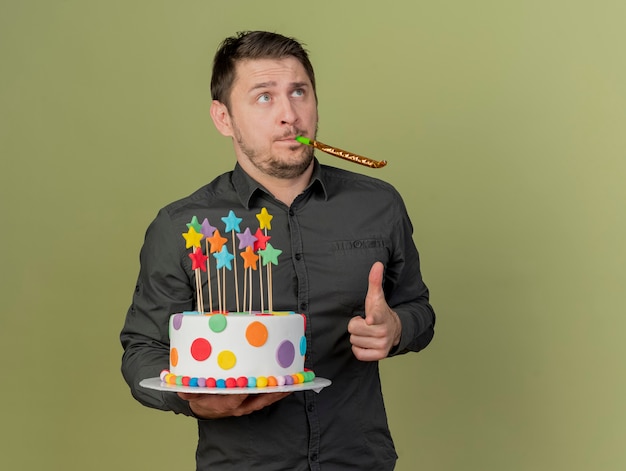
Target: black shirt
{"type": "Point", "coordinates": [330, 237]}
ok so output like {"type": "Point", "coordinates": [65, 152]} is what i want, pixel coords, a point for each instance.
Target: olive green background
{"type": "Point", "coordinates": [504, 126]}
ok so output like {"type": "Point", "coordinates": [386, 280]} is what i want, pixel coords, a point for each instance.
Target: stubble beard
{"type": "Point", "coordinates": [272, 165]}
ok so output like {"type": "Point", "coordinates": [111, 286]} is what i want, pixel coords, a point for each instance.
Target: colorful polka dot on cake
{"type": "Point", "coordinates": [285, 354]}
{"type": "Point", "coordinates": [174, 356]}
{"type": "Point", "coordinates": [217, 322]}
{"type": "Point", "coordinates": [177, 321]}
{"type": "Point", "coordinates": [256, 334]}
{"type": "Point", "coordinates": [201, 349]}
{"type": "Point", "coordinates": [226, 360]}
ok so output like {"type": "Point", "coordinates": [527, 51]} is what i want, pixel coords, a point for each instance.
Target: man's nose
{"type": "Point", "coordinates": [287, 112]}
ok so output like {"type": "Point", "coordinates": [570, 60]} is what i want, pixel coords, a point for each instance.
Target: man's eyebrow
{"type": "Point", "coordinates": [300, 84]}
{"type": "Point", "coordinates": [256, 86]}
{"type": "Point", "coordinates": [272, 83]}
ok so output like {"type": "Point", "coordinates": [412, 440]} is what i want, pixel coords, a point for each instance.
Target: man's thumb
{"type": "Point", "coordinates": [374, 292]}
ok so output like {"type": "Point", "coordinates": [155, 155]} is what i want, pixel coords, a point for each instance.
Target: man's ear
{"type": "Point", "coordinates": [221, 118]}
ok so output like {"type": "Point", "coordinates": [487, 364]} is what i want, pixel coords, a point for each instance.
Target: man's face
{"type": "Point", "coordinates": [272, 101]}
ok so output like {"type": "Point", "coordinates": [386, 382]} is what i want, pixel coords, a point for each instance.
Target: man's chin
{"type": "Point", "coordinates": [290, 170]}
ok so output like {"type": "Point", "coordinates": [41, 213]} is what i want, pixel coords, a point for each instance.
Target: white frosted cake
{"type": "Point", "coordinates": [237, 350]}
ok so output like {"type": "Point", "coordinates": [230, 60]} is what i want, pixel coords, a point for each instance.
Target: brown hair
{"type": "Point", "coordinates": [253, 45]}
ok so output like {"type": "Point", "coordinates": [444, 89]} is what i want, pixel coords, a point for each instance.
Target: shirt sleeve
{"type": "Point", "coordinates": [405, 290]}
{"type": "Point", "coordinates": [163, 288]}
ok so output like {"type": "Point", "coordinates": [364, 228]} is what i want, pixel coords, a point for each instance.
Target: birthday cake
{"type": "Point", "coordinates": [237, 350]}
{"type": "Point", "coordinates": [215, 348]}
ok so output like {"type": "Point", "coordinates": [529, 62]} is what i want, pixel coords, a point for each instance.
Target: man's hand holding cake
{"type": "Point", "coordinates": [216, 406]}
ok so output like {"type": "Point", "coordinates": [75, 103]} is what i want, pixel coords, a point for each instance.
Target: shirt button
{"type": "Point", "coordinates": [298, 256]}
{"type": "Point", "coordinates": [303, 306]}
{"type": "Point", "coordinates": [291, 212]}
{"type": "Point", "coordinates": [358, 243]}
{"type": "Point", "coordinates": [314, 457]}
{"type": "Point", "coordinates": [310, 407]}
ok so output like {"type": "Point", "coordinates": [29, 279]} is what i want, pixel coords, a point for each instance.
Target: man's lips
{"type": "Point", "coordinates": [288, 140]}
{"type": "Point", "coordinates": [291, 138]}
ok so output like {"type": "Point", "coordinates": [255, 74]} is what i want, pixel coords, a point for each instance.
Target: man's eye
{"type": "Point", "coordinates": [263, 98]}
{"type": "Point", "coordinates": [298, 92]}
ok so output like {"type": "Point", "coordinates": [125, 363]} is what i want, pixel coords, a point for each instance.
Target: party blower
{"type": "Point", "coordinates": [342, 154]}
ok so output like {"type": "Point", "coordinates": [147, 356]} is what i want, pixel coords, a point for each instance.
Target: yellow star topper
{"type": "Point", "coordinates": [264, 219]}
{"type": "Point", "coordinates": [192, 238]}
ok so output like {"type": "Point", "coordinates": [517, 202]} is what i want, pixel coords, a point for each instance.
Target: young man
{"type": "Point", "coordinates": [349, 265]}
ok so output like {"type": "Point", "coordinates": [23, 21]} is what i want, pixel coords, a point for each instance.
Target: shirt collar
{"type": "Point", "coordinates": [245, 186]}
